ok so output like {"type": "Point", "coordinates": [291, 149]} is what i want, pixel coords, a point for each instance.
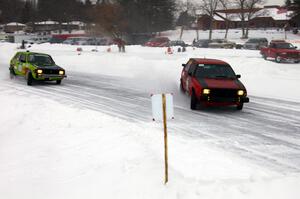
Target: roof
{"type": "Point", "coordinates": [209, 61]}
{"type": "Point", "coordinates": [15, 24]}
{"type": "Point", "coordinates": [277, 13]}
{"type": "Point", "coordinates": [31, 53]}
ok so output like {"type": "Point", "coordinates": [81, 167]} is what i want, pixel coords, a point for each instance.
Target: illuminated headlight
{"type": "Point", "coordinates": [61, 72]}
{"type": "Point", "coordinates": [39, 71]}
{"type": "Point", "coordinates": [206, 91]}
{"type": "Point", "coordinates": [241, 92]}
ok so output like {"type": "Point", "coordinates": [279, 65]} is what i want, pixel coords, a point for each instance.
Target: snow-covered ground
{"type": "Point", "coordinates": [92, 136]}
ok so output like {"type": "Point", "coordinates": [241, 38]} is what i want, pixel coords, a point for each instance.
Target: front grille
{"type": "Point", "coordinates": [50, 71]}
{"type": "Point", "coordinates": [223, 93]}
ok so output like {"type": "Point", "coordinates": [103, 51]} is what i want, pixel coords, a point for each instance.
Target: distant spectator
{"type": "Point", "coordinates": [121, 44]}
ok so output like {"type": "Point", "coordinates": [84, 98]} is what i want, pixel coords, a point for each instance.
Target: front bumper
{"type": "Point", "coordinates": [222, 101]}
{"type": "Point", "coordinates": [50, 77]}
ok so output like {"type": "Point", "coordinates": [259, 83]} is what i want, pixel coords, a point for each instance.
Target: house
{"type": "Point", "coordinates": [267, 17]}
{"type": "Point", "coordinates": [13, 27]}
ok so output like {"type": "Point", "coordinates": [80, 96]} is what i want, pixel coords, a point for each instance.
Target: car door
{"type": "Point", "coordinates": [272, 50]}
{"type": "Point", "coordinates": [191, 73]}
{"type": "Point", "coordinates": [184, 75]}
{"type": "Point", "coordinates": [22, 64]}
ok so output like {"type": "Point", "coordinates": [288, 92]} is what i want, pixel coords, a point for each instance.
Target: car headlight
{"type": "Point", "coordinates": [240, 92]}
{"type": "Point", "coordinates": [61, 72]}
{"type": "Point", "coordinates": [206, 91]}
{"type": "Point", "coordinates": [39, 71]}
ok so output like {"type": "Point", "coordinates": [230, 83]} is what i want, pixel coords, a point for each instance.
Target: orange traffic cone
{"type": "Point", "coordinates": [169, 50]}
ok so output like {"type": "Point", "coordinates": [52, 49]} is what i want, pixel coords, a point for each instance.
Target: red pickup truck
{"type": "Point", "coordinates": [212, 82]}
{"type": "Point", "coordinates": [281, 51]}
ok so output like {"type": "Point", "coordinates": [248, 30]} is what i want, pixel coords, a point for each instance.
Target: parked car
{"type": "Point", "coordinates": [212, 82]}
{"type": "Point", "coordinates": [76, 41]}
{"type": "Point", "coordinates": [177, 43]}
{"type": "Point", "coordinates": [158, 42]}
{"type": "Point", "coordinates": [36, 67]}
{"type": "Point", "coordinates": [56, 40]}
{"type": "Point", "coordinates": [256, 43]}
{"type": "Point", "coordinates": [201, 43]}
{"type": "Point", "coordinates": [221, 43]}
{"type": "Point", "coordinates": [281, 51]}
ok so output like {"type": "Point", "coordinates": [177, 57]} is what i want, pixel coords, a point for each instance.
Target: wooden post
{"type": "Point", "coordinates": [165, 137]}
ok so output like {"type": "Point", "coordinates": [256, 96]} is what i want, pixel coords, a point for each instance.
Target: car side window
{"type": "Point", "coordinates": [22, 58]}
{"type": "Point", "coordinates": [188, 65]}
{"type": "Point", "coordinates": [192, 68]}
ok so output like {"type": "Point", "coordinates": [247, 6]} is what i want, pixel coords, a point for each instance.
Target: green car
{"type": "Point", "coordinates": [36, 66]}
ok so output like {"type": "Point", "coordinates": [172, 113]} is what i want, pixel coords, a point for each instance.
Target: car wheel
{"type": "Point", "coordinates": [181, 86]}
{"type": "Point", "coordinates": [29, 79]}
{"type": "Point", "coordinates": [12, 73]}
{"type": "Point", "coordinates": [193, 101]}
{"type": "Point", "coordinates": [277, 59]}
{"type": "Point", "coordinates": [296, 62]}
{"type": "Point", "coordinates": [240, 106]}
{"type": "Point", "coordinates": [265, 57]}
{"type": "Point", "coordinates": [58, 82]}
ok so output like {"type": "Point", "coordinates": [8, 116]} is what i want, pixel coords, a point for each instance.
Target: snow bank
{"type": "Point", "coordinates": [49, 151]}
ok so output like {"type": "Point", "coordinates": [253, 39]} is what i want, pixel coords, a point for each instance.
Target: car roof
{"type": "Point", "coordinates": [32, 53]}
{"type": "Point", "coordinates": [209, 61]}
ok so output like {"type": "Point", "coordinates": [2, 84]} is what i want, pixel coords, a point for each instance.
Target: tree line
{"type": "Point", "coordinates": [113, 16]}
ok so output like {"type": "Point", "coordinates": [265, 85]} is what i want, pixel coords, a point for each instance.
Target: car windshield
{"type": "Point", "coordinates": [254, 41]}
{"type": "Point", "coordinates": [41, 60]}
{"type": "Point", "coordinates": [214, 71]}
{"type": "Point", "coordinates": [285, 46]}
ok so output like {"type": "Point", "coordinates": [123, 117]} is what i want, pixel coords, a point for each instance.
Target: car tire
{"type": "Point", "coordinates": [296, 62]}
{"type": "Point", "coordinates": [29, 79]}
{"type": "Point", "coordinates": [194, 101]}
{"type": "Point", "coordinates": [12, 73]}
{"type": "Point", "coordinates": [277, 59]}
{"type": "Point", "coordinates": [264, 56]}
{"type": "Point", "coordinates": [58, 82]}
{"type": "Point", "coordinates": [240, 106]}
{"type": "Point", "coordinates": [181, 87]}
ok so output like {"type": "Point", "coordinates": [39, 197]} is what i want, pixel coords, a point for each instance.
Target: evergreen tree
{"type": "Point", "coordinates": [148, 16]}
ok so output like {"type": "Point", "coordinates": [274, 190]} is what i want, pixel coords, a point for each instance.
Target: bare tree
{"type": "Point", "coordinates": [209, 7]}
{"type": "Point", "coordinates": [252, 7]}
{"type": "Point", "coordinates": [225, 5]}
{"type": "Point", "coordinates": [248, 8]}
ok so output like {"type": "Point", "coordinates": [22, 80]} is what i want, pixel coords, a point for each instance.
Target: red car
{"type": "Point", "coordinates": [281, 51]}
{"type": "Point", "coordinates": [212, 82]}
{"type": "Point", "coordinates": [158, 42]}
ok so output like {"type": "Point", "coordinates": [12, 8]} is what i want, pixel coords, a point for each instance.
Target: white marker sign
{"type": "Point", "coordinates": [157, 107]}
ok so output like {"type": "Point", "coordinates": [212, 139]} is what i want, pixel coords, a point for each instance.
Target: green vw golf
{"type": "Point", "coordinates": [36, 66]}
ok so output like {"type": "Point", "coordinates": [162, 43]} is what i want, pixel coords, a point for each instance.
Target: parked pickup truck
{"type": "Point", "coordinates": [281, 51]}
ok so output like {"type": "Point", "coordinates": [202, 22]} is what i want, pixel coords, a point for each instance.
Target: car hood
{"type": "Point", "coordinates": [221, 83]}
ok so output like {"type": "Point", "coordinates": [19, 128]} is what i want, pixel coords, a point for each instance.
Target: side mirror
{"type": "Point", "coordinates": [183, 65]}
{"type": "Point", "coordinates": [238, 76]}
